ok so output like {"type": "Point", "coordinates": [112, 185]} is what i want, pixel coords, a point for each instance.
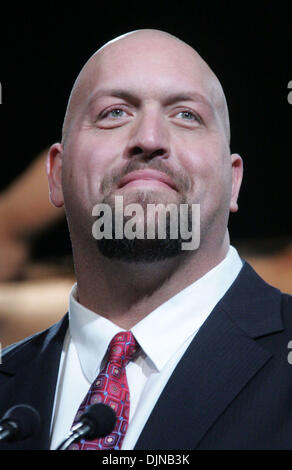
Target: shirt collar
{"type": "Point", "coordinates": [161, 333]}
{"type": "Point", "coordinates": [91, 334]}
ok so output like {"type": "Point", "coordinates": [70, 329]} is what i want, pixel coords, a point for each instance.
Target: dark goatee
{"type": "Point", "coordinates": [144, 250]}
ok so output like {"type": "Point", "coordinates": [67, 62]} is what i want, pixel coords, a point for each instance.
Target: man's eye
{"type": "Point", "coordinates": [188, 115]}
{"type": "Point", "coordinates": [114, 113]}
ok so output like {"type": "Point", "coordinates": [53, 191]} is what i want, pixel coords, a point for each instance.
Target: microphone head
{"type": "Point", "coordinates": [101, 418]}
{"type": "Point", "coordinates": [25, 417]}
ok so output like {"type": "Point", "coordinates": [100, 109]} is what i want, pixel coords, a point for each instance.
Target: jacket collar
{"type": "Point", "coordinates": [219, 362]}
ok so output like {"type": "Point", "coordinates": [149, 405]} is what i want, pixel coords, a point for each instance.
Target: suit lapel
{"type": "Point", "coordinates": [18, 375]}
{"type": "Point", "coordinates": [221, 360]}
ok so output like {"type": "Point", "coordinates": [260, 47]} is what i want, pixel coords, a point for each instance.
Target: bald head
{"type": "Point", "coordinates": [135, 45]}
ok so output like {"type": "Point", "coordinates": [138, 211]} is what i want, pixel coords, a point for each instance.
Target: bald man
{"type": "Point", "coordinates": [179, 337]}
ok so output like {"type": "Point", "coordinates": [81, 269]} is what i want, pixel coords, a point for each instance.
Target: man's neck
{"type": "Point", "coordinates": [126, 292]}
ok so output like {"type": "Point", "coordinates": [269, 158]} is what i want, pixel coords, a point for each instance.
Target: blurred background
{"type": "Point", "coordinates": [42, 51]}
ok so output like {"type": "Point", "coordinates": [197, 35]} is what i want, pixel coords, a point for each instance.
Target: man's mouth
{"type": "Point", "coordinates": [147, 178]}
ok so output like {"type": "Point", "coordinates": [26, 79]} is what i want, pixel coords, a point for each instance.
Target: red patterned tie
{"type": "Point", "coordinates": [111, 388]}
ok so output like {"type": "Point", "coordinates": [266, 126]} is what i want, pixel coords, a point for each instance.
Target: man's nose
{"type": "Point", "coordinates": [149, 136]}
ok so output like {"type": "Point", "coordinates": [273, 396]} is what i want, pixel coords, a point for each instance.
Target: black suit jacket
{"type": "Point", "coordinates": [232, 389]}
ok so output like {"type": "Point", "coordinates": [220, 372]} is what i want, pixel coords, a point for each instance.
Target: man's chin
{"type": "Point", "coordinates": [139, 250]}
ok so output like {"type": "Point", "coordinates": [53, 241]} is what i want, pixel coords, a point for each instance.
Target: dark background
{"type": "Point", "coordinates": [247, 45]}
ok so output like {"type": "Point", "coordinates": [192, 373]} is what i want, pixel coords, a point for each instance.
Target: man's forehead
{"type": "Point", "coordinates": [148, 47]}
{"type": "Point", "coordinates": [151, 62]}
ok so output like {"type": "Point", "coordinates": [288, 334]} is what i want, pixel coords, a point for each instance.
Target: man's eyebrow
{"type": "Point", "coordinates": [185, 96]}
{"type": "Point", "coordinates": [116, 93]}
{"type": "Point", "coordinates": [168, 100]}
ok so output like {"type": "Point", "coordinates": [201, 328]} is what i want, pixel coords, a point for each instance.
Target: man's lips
{"type": "Point", "coordinates": [147, 176]}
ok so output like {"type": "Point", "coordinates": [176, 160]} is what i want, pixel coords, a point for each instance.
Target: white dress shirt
{"type": "Point", "coordinates": [163, 335]}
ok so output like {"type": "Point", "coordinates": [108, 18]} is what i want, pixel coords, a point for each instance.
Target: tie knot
{"type": "Point", "coordinates": [122, 348]}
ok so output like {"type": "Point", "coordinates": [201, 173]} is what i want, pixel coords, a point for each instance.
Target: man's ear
{"type": "Point", "coordinates": [54, 174]}
{"type": "Point", "coordinates": [237, 174]}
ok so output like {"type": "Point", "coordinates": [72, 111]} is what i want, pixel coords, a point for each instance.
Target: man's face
{"type": "Point", "coordinates": [149, 128]}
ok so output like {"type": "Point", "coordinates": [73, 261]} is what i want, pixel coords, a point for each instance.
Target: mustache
{"type": "Point", "coordinates": [182, 181]}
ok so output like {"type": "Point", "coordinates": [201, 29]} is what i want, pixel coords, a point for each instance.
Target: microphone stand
{"type": "Point", "coordinates": [80, 430]}
{"type": "Point", "coordinates": [7, 431]}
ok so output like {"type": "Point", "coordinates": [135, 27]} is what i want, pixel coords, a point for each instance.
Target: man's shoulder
{"type": "Point", "coordinates": [36, 341]}
{"type": "Point", "coordinates": [257, 306]}
{"type": "Point", "coordinates": [253, 282]}
{"type": "Point", "coordinates": [287, 298]}
{"type": "Point", "coordinates": [286, 306]}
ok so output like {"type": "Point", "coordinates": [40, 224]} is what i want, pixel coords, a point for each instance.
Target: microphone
{"type": "Point", "coordinates": [18, 423]}
{"type": "Point", "coordinates": [98, 421]}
